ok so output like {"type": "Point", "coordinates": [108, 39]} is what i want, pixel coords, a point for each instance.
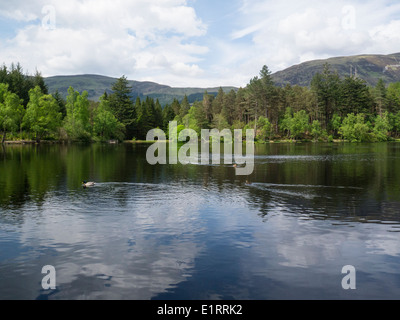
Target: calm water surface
{"type": "Point", "coordinates": [199, 231]}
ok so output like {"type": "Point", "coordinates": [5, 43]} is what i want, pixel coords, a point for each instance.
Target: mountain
{"type": "Point", "coordinates": [367, 67]}
{"type": "Point", "coordinates": [96, 85]}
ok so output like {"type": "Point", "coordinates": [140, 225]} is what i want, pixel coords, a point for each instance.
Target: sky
{"type": "Point", "coordinates": [190, 43]}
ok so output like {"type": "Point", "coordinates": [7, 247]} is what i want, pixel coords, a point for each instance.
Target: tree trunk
{"type": "Point", "coordinates": [4, 137]}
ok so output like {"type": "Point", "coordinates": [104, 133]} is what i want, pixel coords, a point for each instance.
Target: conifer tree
{"type": "Point", "coordinates": [185, 106]}
{"type": "Point", "coordinates": [326, 87]}
{"type": "Point", "coordinates": [158, 115]}
{"type": "Point", "coordinates": [168, 115]}
{"type": "Point", "coordinates": [380, 97]}
{"type": "Point", "coordinates": [122, 106]}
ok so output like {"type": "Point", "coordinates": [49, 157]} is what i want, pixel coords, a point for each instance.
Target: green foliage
{"type": "Point", "coordinates": [146, 118]}
{"type": "Point", "coordinates": [61, 103]}
{"type": "Point", "coordinates": [264, 129]}
{"type": "Point", "coordinates": [158, 115]}
{"type": "Point", "coordinates": [76, 122]}
{"type": "Point", "coordinates": [354, 96]}
{"type": "Point", "coordinates": [300, 124]}
{"type": "Point", "coordinates": [326, 86]}
{"type": "Point", "coordinates": [382, 127]}
{"type": "Point", "coordinates": [379, 94]}
{"type": "Point", "coordinates": [176, 107]}
{"type": "Point", "coordinates": [207, 106]}
{"type": "Point", "coordinates": [196, 119]}
{"type": "Point", "coordinates": [122, 106]}
{"type": "Point", "coordinates": [105, 124]}
{"type": "Point", "coordinates": [296, 124]}
{"type": "Point", "coordinates": [218, 102]}
{"type": "Point", "coordinates": [259, 97]}
{"type": "Point", "coordinates": [237, 124]}
{"type": "Point", "coordinates": [168, 115]}
{"type": "Point", "coordinates": [393, 97]}
{"type": "Point", "coordinates": [175, 134]}
{"type": "Point", "coordinates": [394, 121]}
{"type": "Point", "coordinates": [354, 128]}
{"type": "Point", "coordinates": [336, 122]}
{"type": "Point", "coordinates": [219, 122]}
{"type": "Point", "coordinates": [286, 121]}
{"type": "Point", "coordinates": [42, 115]}
{"type": "Point", "coordinates": [20, 83]}
{"type": "Point", "coordinates": [11, 111]}
{"type": "Point", "coordinates": [316, 131]}
{"type": "Point", "coordinates": [228, 106]}
{"type": "Point", "coordinates": [329, 107]}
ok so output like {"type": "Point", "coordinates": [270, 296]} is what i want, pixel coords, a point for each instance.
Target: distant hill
{"type": "Point", "coordinates": [96, 85]}
{"type": "Point", "coordinates": [368, 67]}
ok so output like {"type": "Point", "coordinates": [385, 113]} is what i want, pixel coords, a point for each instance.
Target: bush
{"type": "Point", "coordinates": [382, 128]}
{"type": "Point", "coordinates": [317, 132]}
{"type": "Point", "coordinates": [354, 128]}
{"type": "Point", "coordinates": [264, 129]}
{"type": "Point", "coordinates": [296, 124]}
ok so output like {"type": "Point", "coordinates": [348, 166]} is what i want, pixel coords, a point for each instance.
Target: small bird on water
{"type": "Point", "coordinates": [87, 184]}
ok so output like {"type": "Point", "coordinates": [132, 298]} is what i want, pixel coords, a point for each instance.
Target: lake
{"type": "Point", "coordinates": [199, 231]}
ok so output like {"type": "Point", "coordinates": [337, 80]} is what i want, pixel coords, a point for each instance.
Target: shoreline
{"type": "Point", "coordinates": [30, 142]}
{"type": "Point", "coordinates": [113, 142]}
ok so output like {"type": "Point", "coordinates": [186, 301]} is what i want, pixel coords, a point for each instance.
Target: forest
{"type": "Point", "coordinates": [330, 108]}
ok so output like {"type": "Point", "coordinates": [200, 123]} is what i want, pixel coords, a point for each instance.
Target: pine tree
{"type": "Point", "coordinates": [19, 83]}
{"type": "Point", "coordinates": [218, 102]}
{"type": "Point", "coordinates": [380, 97]}
{"type": "Point", "coordinates": [61, 103]}
{"type": "Point", "coordinates": [168, 115]}
{"type": "Point", "coordinates": [185, 106]}
{"type": "Point", "coordinates": [158, 115]}
{"type": "Point", "coordinates": [38, 80]}
{"type": "Point", "coordinates": [268, 91]}
{"type": "Point", "coordinates": [326, 87]}
{"type": "Point", "coordinates": [207, 106]}
{"type": "Point", "coordinates": [240, 106]}
{"type": "Point", "coordinates": [122, 106]}
{"type": "Point", "coordinates": [355, 96]}
{"type": "Point", "coordinates": [146, 119]}
{"type": "Point", "coordinates": [393, 96]}
{"type": "Point", "coordinates": [228, 108]}
{"type": "Point", "coordinates": [176, 107]}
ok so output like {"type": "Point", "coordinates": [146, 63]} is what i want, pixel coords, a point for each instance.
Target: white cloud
{"type": "Point", "coordinates": [289, 32]}
{"type": "Point", "coordinates": [384, 36]}
{"type": "Point", "coordinates": [169, 42]}
{"type": "Point", "coordinates": [112, 38]}
{"type": "Point", "coordinates": [19, 15]}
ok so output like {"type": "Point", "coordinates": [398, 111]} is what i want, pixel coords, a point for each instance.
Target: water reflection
{"type": "Point", "coordinates": [197, 231]}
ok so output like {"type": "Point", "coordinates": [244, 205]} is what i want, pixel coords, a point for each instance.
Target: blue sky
{"type": "Point", "coordinates": [190, 42]}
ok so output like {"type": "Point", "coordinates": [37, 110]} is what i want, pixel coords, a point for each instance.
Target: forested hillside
{"type": "Point", "coordinates": [96, 85]}
{"type": "Point", "coordinates": [330, 107]}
